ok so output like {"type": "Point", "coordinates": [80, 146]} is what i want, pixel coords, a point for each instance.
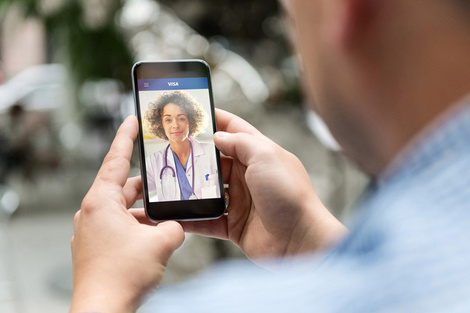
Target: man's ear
{"type": "Point", "coordinates": [350, 20]}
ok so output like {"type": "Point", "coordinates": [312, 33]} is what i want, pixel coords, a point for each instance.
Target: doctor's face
{"type": "Point", "coordinates": [175, 123]}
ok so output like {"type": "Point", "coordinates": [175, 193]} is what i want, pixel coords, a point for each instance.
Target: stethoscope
{"type": "Point", "coordinates": [173, 172]}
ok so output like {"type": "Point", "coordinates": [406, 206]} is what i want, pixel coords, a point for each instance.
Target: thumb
{"type": "Point", "coordinates": [171, 236]}
{"type": "Point", "coordinates": [240, 146]}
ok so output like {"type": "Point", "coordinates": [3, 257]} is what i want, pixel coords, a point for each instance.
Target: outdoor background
{"type": "Point", "coordinates": [65, 86]}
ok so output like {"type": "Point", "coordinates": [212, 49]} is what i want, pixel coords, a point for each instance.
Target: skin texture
{"type": "Point", "coordinates": [109, 245]}
{"type": "Point", "coordinates": [260, 222]}
{"type": "Point", "coordinates": [262, 225]}
{"type": "Point", "coordinates": [378, 72]}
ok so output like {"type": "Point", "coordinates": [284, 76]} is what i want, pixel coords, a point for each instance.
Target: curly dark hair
{"type": "Point", "coordinates": [193, 109]}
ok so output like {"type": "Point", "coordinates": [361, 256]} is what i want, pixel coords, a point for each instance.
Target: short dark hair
{"type": "Point", "coordinates": [193, 109]}
{"type": "Point", "coordinates": [461, 4]}
{"type": "Point", "coordinates": [464, 3]}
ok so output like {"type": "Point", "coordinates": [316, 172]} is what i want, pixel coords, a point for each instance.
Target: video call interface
{"type": "Point", "coordinates": [180, 155]}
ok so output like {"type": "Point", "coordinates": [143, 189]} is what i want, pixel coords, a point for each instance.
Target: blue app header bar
{"type": "Point", "coordinates": [173, 83]}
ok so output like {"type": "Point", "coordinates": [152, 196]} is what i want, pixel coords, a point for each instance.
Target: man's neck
{"type": "Point", "coordinates": [427, 73]}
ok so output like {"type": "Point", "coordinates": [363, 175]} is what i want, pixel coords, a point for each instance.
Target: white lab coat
{"type": "Point", "coordinates": [204, 162]}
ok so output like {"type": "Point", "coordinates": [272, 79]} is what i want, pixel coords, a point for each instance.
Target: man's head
{"type": "Point", "coordinates": [378, 71]}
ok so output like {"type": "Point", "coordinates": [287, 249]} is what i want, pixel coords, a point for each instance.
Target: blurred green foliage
{"type": "Point", "coordinates": [98, 50]}
{"type": "Point", "coordinates": [91, 52]}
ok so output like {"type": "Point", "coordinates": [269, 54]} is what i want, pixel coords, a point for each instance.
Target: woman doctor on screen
{"type": "Point", "coordinates": [186, 169]}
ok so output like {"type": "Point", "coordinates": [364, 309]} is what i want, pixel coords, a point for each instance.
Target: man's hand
{"type": "Point", "coordinates": [116, 260]}
{"type": "Point", "coordinates": [274, 210]}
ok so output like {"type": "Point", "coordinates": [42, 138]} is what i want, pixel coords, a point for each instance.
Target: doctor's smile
{"type": "Point", "coordinates": [176, 133]}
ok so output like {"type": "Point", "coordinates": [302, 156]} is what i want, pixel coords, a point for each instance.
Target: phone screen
{"type": "Point", "coordinates": [179, 161]}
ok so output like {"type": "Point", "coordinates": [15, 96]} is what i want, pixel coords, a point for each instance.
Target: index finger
{"type": "Point", "coordinates": [116, 164]}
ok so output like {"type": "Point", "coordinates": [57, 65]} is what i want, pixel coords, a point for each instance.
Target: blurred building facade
{"type": "Point", "coordinates": [22, 42]}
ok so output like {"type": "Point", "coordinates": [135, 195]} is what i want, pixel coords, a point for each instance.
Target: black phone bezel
{"type": "Point", "coordinates": [200, 209]}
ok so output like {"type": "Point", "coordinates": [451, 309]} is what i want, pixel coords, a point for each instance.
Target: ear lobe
{"type": "Point", "coordinates": [350, 21]}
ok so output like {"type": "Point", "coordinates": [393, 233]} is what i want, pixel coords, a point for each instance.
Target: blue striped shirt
{"type": "Point", "coordinates": [408, 252]}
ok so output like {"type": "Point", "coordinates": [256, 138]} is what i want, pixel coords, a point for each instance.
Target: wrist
{"type": "Point", "coordinates": [95, 298]}
{"type": "Point", "coordinates": [318, 230]}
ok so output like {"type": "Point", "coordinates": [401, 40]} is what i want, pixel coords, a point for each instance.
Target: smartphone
{"type": "Point", "coordinates": [180, 164]}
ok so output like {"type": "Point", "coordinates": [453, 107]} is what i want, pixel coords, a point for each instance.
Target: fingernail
{"type": "Point", "coordinates": [221, 134]}
{"type": "Point", "coordinates": [125, 120]}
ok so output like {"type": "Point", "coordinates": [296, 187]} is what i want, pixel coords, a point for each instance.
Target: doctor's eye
{"type": "Point", "coordinates": [168, 120]}
{"type": "Point", "coordinates": [182, 119]}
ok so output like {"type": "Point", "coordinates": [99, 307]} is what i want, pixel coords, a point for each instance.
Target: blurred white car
{"type": "Point", "coordinates": [37, 88]}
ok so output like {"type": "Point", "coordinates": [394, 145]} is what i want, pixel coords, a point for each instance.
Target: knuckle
{"type": "Point", "coordinates": [110, 157]}
{"type": "Point", "coordinates": [269, 149]}
{"type": "Point", "coordinates": [76, 218]}
{"type": "Point", "coordinates": [87, 204]}
{"type": "Point", "coordinates": [168, 244]}
{"type": "Point", "coordinates": [112, 163]}
{"type": "Point", "coordinates": [113, 157]}
{"type": "Point", "coordinates": [165, 243]}
{"type": "Point", "coordinates": [171, 238]}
